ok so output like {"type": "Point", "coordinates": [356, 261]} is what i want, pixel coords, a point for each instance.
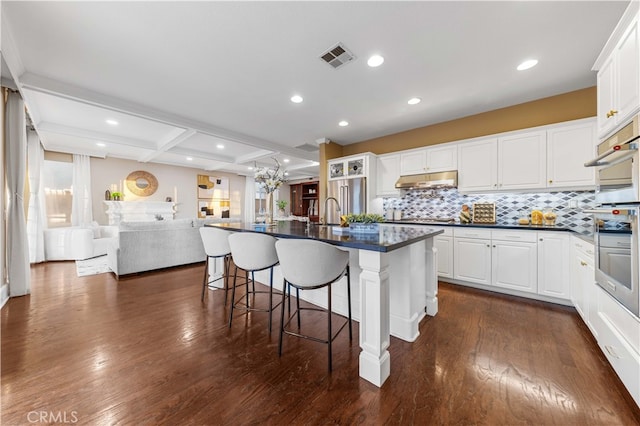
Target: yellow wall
{"type": "Point", "coordinates": [555, 109]}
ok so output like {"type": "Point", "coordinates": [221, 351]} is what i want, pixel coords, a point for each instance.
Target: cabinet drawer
{"type": "Point", "coordinates": [472, 233]}
{"type": "Point", "coordinates": [447, 230]}
{"type": "Point", "coordinates": [584, 247]}
{"type": "Point", "coordinates": [504, 235]}
{"type": "Point", "coordinates": [615, 342]}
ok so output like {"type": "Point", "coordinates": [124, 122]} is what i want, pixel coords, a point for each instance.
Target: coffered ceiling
{"type": "Point", "coordinates": [208, 84]}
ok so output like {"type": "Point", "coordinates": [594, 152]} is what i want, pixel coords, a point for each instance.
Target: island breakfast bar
{"type": "Point", "coordinates": [397, 282]}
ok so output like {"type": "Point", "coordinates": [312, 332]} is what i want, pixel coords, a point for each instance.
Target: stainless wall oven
{"type": "Point", "coordinates": [618, 174]}
{"type": "Point", "coordinates": [616, 241]}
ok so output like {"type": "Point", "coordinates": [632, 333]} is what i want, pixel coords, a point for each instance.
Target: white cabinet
{"type": "Point", "coordinates": [619, 75]}
{"type": "Point", "coordinates": [413, 163]}
{"type": "Point", "coordinates": [568, 148]}
{"type": "Point", "coordinates": [388, 173]}
{"type": "Point", "coordinates": [472, 255]}
{"type": "Point", "coordinates": [477, 165]}
{"type": "Point", "coordinates": [522, 161]}
{"type": "Point", "coordinates": [618, 335]}
{"type": "Point", "coordinates": [514, 261]}
{"type": "Point", "coordinates": [351, 167]}
{"type": "Point", "coordinates": [444, 243]}
{"type": "Point", "coordinates": [582, 279]}
{"type": "Point", "coordinates": [554, 277]}
{"type": "Point", "coordinates": [429, 160]}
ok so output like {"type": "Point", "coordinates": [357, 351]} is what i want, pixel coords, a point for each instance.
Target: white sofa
{"type": "Point", "coordinates": [145, 246]}
{"type": "Point", "coordinates": [78, 243]}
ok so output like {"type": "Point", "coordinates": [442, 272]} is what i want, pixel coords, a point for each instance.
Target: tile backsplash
{"type": "Point", "coordinates": [420, 203]}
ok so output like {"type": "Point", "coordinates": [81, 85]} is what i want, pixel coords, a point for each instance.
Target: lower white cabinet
{"type": "Point", "coordinates": [515, 264]}
{"type": "Point", "coordinates": [444, 243]}
{"type": "Point", "coordinates": [618, 335]}
{"type": "Point", "coordinates": [472, 255]}
{"type": "Point", "coordinates": [554, 271]}
{"type": "Point", "coordinates": [582, 278]}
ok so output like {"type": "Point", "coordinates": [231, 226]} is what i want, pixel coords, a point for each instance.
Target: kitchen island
{"type": "Point", "coordinates": [396, 279]}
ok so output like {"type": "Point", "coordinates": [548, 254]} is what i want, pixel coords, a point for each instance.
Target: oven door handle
{"type": "Point", "coordinates": [615, 212]}
{"type": "Point", "coordinates": [627, 146]}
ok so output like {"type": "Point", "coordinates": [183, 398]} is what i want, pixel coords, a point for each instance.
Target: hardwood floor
{"type": "Point", "coordinates": [145, 350]}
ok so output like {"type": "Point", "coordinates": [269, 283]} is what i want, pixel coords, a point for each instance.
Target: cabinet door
{"type": "Point", "coordinates": [522, 161]}
{"type": "Point", "coordinates": [296, 200]}
{"type": "Point", "coordinates": [413, 163]}
{"type": "Point", "coordinates": [606, 101]}
{"type": "Point", "coordinates": [445, 255]}
{"type": "Point", "coordinates": [472, 260]}
{"type": "Point", "coordinates": [554, 277]}
{"type": "Point", "coordinates": [442, 159]}
{"type": "Point", "coordinates": [388, 173]}
{"type": "Point", "coordinates": [477, 165]}
{"type": "Point", "coordinates": [514, 265]}
{"type": "Point", "coordinates": [627, 74]}
{"type": "Point", "coordinates": [568, 148]}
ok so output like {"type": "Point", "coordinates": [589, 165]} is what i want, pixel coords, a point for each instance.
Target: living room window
{"type": "Point", "coordinates": [57, 173]}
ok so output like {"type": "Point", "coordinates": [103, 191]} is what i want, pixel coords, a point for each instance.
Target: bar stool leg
{"type": "Point", "coordinates": [329, 332]}
{"type": "Point", "coordinates": [246, 274]}
{"type": "Point", "coordinates": [205, 279]}
{"type": "Point", "coordinates": [227, 267]}
{"type": "Point", "coordinates": [284, 293]}
{"type": "Point", "coordinates": [270, 297]}
{"type": "Point", "coordinates": [349, 302]}
{"type": "Point", "coordinates": [233, 297]}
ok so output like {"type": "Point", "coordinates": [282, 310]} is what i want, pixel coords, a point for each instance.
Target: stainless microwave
{"type": "Point", "coordinates": [618, 174]}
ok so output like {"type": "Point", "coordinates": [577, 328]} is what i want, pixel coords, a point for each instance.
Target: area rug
{"type": "Point", "coordinates": [93, 266]}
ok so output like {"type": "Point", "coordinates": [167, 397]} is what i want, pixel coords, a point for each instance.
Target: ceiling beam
{"type": "Point", "coordinates": [164, 147]}
{"type": "Point", "coordinates": [88, 134]}
{"type": "Point", "coordinates": [48, 86]}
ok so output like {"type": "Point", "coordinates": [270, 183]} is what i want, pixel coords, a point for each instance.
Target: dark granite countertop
{"type": "Point", "coordinates": [390, 236]}
{"type": "Point", "coordinates": [559, 227]}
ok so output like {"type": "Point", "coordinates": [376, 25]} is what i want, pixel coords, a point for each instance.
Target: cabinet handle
{"type": "Point", "coordinates": [550, 181]}
{"type": "Point", "coordinates": [494, 246]}
{"type": "Point", "coordinates": [612, 352]}
{"type": "Point", "coordinates": [541, 239]}
{"type": "Point", "coordinates": [489, 245]}
{"type": "Point", "coordinates": [612, 113]}
{"type": "Point", "coordinates": [495, 185]}
{"type": "Point", "coordinates": [583, 263]}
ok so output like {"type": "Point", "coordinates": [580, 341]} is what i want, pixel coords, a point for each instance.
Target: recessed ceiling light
{"type": "Point", "coordinates": [296, 99]}
{"type": "Point", "coordinates": [315, 163]}
{"type": "Point", "coordinates": [111, 122]}
{"type": "Point", "coordinates": [286, 173]}
{"type": "Point", "coordinates": [375, 61]}
{"type": "Point", "coordinates": [414, 101]}
{"type": "Point", "coordinates": [220, 146]}
{"type": "Point", "coordinates": [530, 63]}
{"type": "Point", "coordinates": [343, 123]}
{"type": "Point", "coordinates": [249, 168]}
{"type": "Point", "coordinates": [101, 144]}
{"type": "Point", "coordinates": [286, 160]}
{"type": "Point", "coordinates": [189, 158]}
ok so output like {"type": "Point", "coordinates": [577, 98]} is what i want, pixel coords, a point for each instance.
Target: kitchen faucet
{"type": "Point", "coordinates": [326, 201]}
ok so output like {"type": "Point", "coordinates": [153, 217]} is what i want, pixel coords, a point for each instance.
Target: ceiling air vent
{"type": "Point", "coordinates": [337, 56]}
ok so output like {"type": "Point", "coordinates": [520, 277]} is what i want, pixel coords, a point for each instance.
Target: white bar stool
{"type": "Point", "coordinates": [327, 265]}
{"type": "Point", "coordinates": [216, 244]}
{"type": "Point", "coordinates": [252, 252]}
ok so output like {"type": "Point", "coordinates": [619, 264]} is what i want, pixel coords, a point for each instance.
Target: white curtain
{"type": "Point", "coordinates": [36, 214]}
{"type": "Point", "coordinates": [16, 169]}
{"type": "Point", "coordinates": [81, 212]}
{"type": "Point", "coordinates": [249, 199]}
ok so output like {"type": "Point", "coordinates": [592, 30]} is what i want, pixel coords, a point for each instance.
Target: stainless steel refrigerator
{"type": "Point", "coordinates": [351, 195]}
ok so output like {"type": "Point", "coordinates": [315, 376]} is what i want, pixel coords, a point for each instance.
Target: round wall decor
{"type": "Point", "coordinates": [142, 183]}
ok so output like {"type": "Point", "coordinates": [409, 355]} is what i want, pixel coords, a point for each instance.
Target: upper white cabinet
{"type": "Point", "coordinates": [477, 165]}
{"type": "Point", "coordinates": [429, 160]}
{"type": "Point", "coordinates": [568, 148]}
{"type": "Point", "coordinates": [618, 69]}
{"type": "Point", "coordinates": [551, 157]}
{"type": "Point", "coordinates": [522, 161]}
{"type": "Point", "coordinates": [352, 167]}
{"type": "Point", "coordinates": [388, 173]}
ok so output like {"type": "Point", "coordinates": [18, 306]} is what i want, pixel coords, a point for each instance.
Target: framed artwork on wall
{"type": "Point", "coordinates": [218, 209]}
{"type": "Point", "coordinates": [213, 187]}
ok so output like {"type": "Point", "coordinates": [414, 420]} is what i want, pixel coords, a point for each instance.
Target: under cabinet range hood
{"type": "Point", "coordinates": [429, 181]}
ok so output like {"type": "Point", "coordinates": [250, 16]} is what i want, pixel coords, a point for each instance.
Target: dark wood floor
{"type": "Point", "coordinates": [145, 350]}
